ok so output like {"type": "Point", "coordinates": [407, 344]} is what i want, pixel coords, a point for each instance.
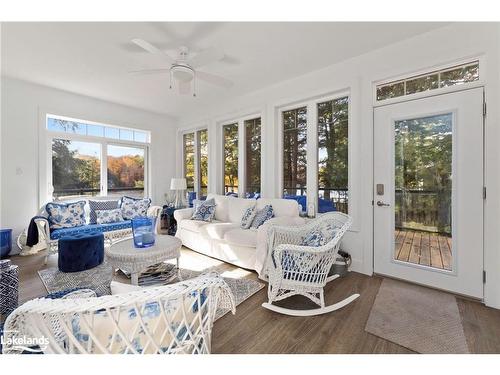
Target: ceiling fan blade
{"type": "Point", "coordinates": [206, 56]}
{"type": "Point", "coordinates": [150, 71]}
{"type": "Point", "coordinates": [184, 87]}
{"type": "Point", "coordinates": [146, 46]}
{"type": "Point", "coordinates": [214, 79]}
{"type": "Point", "coordinates": [151, 48]}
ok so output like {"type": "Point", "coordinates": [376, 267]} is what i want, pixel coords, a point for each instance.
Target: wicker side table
{"type": "Point", "coordinates": [125, 256]}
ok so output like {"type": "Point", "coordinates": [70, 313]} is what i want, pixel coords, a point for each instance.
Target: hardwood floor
{"type": "Point", "coordinates": [256, 330]}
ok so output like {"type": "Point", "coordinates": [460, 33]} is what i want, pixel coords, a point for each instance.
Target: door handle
{"type": "Point", "coordinates": [382, 204]}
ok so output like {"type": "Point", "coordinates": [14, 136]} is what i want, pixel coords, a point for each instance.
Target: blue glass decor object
{"type": "Point", "coordinates": [143, 230]}
{"type": "Point", "coordinates": [5, 242]}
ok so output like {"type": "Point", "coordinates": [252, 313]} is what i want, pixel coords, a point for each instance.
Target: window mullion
{"type": "Point", "coordinates": [312, 158]}
{"type": "Point", "coordinates": [104, 169]}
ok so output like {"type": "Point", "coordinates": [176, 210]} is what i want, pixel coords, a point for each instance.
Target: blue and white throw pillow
{"type": "Point", "coordinates": [66, 215]}
{"type": "Point", "coordinates": [204, 210]}
{"type": "Point", "coordinates": [321, 235]}
{"type": "Point", "coordinates": [262, 216]}
{"type": "Point", "coordinates": [314, 238]}
{"type": "Point", "coordinates": [109, 216]}
{"type": "Point", "coordinates": [248, 216]}
{"type": "Point", "coordinates": [101, 205]}
{"type": "Point", "coordinates": [134, 207]}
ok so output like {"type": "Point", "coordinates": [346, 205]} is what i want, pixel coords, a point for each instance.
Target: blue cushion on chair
{"type": "Point", "coordinates": [80, 252]}
{"type": "Point", "coordinates": [102, 228]}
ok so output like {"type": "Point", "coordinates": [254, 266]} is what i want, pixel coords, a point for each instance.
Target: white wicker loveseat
{"type": "Point", "coordinates": [170, 319]}
{"type": "Point", "coordinates": [295, 269]}
{"type": "Point", "coordinates": [48, 239]}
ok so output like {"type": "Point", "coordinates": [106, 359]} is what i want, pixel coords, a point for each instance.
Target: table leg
{"type": "Point", "coordinates": [178, 269]}
{"type": "Point", "coordinates": [134, 278]}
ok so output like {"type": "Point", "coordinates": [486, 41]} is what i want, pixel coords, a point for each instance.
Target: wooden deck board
{"type": "Point", "coordinates": [428, 249]}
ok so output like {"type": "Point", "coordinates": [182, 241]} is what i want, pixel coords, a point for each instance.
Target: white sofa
{"type": "Point", "coordinates": [224, 239]}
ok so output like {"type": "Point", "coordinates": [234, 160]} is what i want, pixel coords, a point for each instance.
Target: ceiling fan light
{"type": "Point", "coordinates": [182, 73]}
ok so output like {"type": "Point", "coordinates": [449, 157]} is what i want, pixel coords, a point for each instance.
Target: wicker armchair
{"type": "Point", "coordinates": [169, 319]}
{"type": "Point", "coordinates": [294, 269]}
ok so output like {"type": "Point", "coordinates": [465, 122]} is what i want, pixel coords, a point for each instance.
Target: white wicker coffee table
{"type": "Point", "coordinates": [124, 255]}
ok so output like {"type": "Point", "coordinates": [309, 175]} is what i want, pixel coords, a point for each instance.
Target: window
{"type": "Point", "coordinates": [79, 149]}
{"type": "Point", "coordinates": [294, 151]}
{"type": "Point", "coordinates": [253, 155]}
{"type": "Point", "coordinates": [71, 126]}
{"type": "Point", "coordinates": [125, 171]}
{"type": "Point", "coordinates": [76, 168]}
{"type": "Point", "coordinates": [230, 135]}
{"type": "Point", "coordinates": [188, 140]}
{"type": "Point", "coordinates": [457, 75]}
{"type": "Point", "coordinates": [333, 116]}
{"type": "Point", "coordinates": [203, 162]}
{"type": "Point", "coordinates": [195, 161]}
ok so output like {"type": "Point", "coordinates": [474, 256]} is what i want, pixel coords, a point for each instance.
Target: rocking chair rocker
{"type": "Point", "coordinates": [295, 269]}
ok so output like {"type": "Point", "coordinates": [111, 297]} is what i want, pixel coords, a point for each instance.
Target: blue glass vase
{"type": "Point", "coordinates": [143, 230]}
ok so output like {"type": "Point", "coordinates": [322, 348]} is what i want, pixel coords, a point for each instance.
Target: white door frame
{"type": "Point", "coordinates": [390, 188]}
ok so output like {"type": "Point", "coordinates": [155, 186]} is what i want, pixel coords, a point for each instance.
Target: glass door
{"type": "Point", "coordinates": [428, 193]}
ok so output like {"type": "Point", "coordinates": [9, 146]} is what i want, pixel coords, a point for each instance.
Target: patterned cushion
{"type": "Point", "coordinates": [248, 216]}
{"type": "Point", "coordinates": [66, 215]}
{"type": "Point", "coordinates": [101, 205]}
{"type": "Point", "coordinates": [109, 216]}
{"type": "Point", "coordinates": [262, 216]}
{"type": "Point", "coordinates": [103, 228]}
{"type": "Point", "coordinates": [204, 210]}
{"type": "Point", "coordinates": [134, 207]}
{"type": "Point", "coordinates": [321, 235]}
{"type": "Point", "coordinates": [314, 238]}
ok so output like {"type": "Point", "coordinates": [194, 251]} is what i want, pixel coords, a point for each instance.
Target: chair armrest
{"type": "Point", "coordinates": [43, 227]}
{"type": "Point", "coordinates": [183, 214]}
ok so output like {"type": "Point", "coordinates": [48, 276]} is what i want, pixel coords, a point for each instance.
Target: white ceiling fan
{"type": "Point", "coordinates": [183, 69]}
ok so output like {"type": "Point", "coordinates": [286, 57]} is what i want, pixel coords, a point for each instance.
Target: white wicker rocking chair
{"type": "Point", "coordinates": [171, 319]}
{"type": "Point", "coordinates": [294, 269]}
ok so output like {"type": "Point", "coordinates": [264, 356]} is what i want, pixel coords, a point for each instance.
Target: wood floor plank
{"type": "Point", "coordinates": [257, 330]}
{"type": "Point", "coordinates": [436, 260]}
{"type": "Point", "coordinates": [398, 242]}
{"type": "Point", "coordinates": [404, 254]}
{"type": "Point", "coordinates": [445, 252]}
{"type": "Point", "coordinates": [415, 248]}
{"type": "Point", "coordinates": [425, 249]}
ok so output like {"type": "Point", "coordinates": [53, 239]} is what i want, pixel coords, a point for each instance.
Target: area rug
{"type": "Point", "coordinates": [421, 319]}
{"type": "Point", "coordinates": [99, 279]}
{"type": "Point", "coordinates": [165, 273]}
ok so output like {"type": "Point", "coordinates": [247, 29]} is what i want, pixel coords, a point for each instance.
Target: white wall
{"type": "Point", "coordinates": [22, 104]}
{"type": "Point", "coordinates": [439, 47]}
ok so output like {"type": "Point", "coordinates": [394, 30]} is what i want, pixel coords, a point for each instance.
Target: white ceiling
{"type": "Point", "coordinates": [94, 59]}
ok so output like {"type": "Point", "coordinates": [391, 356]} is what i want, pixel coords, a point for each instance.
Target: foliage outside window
{"type": "Point", "coordinates": [203, 161]}
{"type": "Point", "coordinates": [253, 155]}
{"type": "Point", "coordinates": [333, 117]}
{"type": "Point", "coordinates": [77, 167]}
{"type": "Point", "coordinates": [457, 75]}
{"type": "Point", "coordinates": [188, 141]}
{"type": "Point", "coordinates": [230, 135]}
{"type": "Point", "coordinates": [125, 171]}
{"type": "Point", "coordinates": [423, 173]}
{"type": "Point", "coordinates": [294, 151]}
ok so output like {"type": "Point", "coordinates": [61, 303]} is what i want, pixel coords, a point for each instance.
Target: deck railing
{"type": "Point", "coordinates": [428, 210]}
{"type": "Point", "coordinates": [84, 191]}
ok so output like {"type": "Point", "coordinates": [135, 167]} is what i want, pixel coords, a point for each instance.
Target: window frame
{"type": "Point", "coordinates": [427, 71]}
{"type": "Point", "coordinates": [46, 185]}
{"type": "Point", "coordinates": [240, 120]}
{"type": "Point", "coordinates": [195, 131]}
{"type": "Point", "coordinates": [312, 146]}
